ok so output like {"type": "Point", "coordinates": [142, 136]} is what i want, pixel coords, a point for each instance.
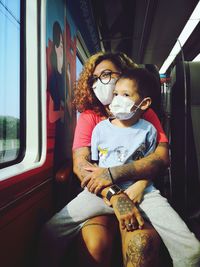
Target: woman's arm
{"type": "Point", "coordinates": [81, 145]}
{"type": "Point", "coordinates": [81, 160]}
{"type": "Point", "coordinates": [81, 164]}
{"type": "Point", "coordinates": [149, 167]}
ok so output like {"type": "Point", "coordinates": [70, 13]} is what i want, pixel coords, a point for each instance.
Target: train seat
{"type": "Point", "coordinates": [185, 141]}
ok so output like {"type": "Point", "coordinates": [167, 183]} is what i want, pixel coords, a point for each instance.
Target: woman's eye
{"type": "Point", "coordinates": [125, 94]}
{"type": "Point", "coordinates": [115, 94]}
{"type": "Point", "coordinates": [105, 74]}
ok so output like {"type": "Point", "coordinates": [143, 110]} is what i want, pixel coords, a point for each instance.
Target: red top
{"type": "Point", "coordinates": [88, 120]}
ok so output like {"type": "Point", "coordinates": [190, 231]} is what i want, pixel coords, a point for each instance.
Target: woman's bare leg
{"type": "Point", "coordinates": [96, 241]}
{"type": "Point", "coordinates": [140, 247]}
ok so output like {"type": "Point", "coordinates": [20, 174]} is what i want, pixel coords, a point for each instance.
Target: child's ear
{"type": "Point", "coordinates": [146, 102]}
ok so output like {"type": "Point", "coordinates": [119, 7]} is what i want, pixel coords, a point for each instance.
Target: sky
{"type": "Point", "coordinates": [9, 57]}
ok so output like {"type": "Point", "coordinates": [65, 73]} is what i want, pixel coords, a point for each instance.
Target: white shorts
{"type": "Point", "coordinates": [181, 243]}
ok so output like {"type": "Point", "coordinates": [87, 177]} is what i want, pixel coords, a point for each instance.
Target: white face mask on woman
{"type": "Point", "coordinates": [121, 107]}
{"type": "Point", "coordinates": [104, 92]}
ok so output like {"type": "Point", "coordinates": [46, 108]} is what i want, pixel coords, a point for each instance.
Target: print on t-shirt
{"type": "Point", "coordinates": [121, 153]}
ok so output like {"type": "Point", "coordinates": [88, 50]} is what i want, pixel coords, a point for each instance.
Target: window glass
{"type": "Point", "coordinates": [79, 66]}
{"type": "Point", "coordinates": [9, 80]}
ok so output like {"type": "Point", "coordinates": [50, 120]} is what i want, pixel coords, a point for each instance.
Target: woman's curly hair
{"type": "Point", "coordinates": [84, 97]}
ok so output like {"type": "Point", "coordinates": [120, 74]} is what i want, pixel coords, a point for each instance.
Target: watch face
{"type": "Point", "coordinates": [114, 189]}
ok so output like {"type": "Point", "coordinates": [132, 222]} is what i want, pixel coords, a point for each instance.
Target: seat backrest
{"type": "Point", "coordinates": [161, 181]}
{"type": "Point", "coordinates": [185, 137]}
{"type": "Point", "coordinates": [156, 103]}
{"type": "Point", "coordinates": [194, 69]}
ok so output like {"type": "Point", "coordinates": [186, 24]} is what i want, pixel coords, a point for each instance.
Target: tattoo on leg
{"type": "Point", "coordinates": [139, 250]}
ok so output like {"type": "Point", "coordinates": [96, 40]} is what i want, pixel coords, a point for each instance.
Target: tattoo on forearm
{"type": "Point", "coordinates": [139, 250]}
{"type": "Point", "coordinates": [81, 170]}
{"type": "Point", "coordinates": [82, 160]}
{"type": "Point", "coordinates": [146, 167]}
{"type": "Point", "coordinates": [124, 205]}
{"type": "Point", "coordinates": [105, 175]}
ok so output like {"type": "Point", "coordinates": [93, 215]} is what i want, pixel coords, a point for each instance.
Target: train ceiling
{"type": "Point", "coordinates": [144, 29]}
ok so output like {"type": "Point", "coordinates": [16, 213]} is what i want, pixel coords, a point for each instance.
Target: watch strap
{"type": "Point", "coordinates": [111, 177]}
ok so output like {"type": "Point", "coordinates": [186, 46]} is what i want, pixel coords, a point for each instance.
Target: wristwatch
{"type": "Point", "coordinates": [114, 190]}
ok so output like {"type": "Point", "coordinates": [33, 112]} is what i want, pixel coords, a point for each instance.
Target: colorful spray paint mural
{"type": "Point", "coordinates": [61, 74]}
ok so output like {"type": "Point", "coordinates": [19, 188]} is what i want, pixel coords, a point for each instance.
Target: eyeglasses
{"type": "Point", "coordinates": [104, 77]}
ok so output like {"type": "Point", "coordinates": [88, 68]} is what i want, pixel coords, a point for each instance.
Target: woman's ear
{"type": "Point", "coordinates": [146, 102]}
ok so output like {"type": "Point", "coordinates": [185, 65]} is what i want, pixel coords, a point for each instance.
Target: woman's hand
{"type": "Point", "coordinates": [127, 213]}
{"type": "Point", "coordinates": [136, 190]}
{"type": "Point", "coordinates": [97, 179]}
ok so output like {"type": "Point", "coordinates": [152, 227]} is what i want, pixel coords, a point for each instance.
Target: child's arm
{"type": "Point", "coordinates": [136, 190]}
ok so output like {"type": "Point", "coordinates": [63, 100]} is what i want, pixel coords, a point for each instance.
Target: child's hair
{"type": "Point", "coordinates": [147, 84]}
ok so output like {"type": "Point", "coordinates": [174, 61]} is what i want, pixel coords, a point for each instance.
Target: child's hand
{"type": "Point", "coordinates": [107, 202]}
{"type": "Point", "coordinates": [135, 191]}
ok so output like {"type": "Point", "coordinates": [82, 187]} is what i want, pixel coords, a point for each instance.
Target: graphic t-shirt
{"type": "Point", "coordinates": [113, 146]}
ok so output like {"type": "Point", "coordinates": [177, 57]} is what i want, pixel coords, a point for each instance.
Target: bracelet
{"type": "Point", "coordinates": [111, 176]}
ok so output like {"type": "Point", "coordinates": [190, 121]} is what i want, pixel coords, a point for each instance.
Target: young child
{"type": "Point", "coordinates": [126, 137]}
{"type": "Point", "coordinates": [122, 138]}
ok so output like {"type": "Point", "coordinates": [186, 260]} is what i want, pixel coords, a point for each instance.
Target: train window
{"type": "Point", "coordinates": [23, 86]}
{"type": "Point", "coordinates": [9, 80]}
{"type": "Point", "coordinates": [79, 66]}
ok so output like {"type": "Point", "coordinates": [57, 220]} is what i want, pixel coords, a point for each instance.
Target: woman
{"type": "Point", "coordinates": [139, 247]}
{"type": "Point", "coordinates": [111, 145]}
{"type": "Point", "coordinates": [93, 108]}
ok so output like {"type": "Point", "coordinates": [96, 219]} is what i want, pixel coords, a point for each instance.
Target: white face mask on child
{"type": "Point", "coordinates": [104, 92]}
{"type": "Point", "coordinates": [121, 107]}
